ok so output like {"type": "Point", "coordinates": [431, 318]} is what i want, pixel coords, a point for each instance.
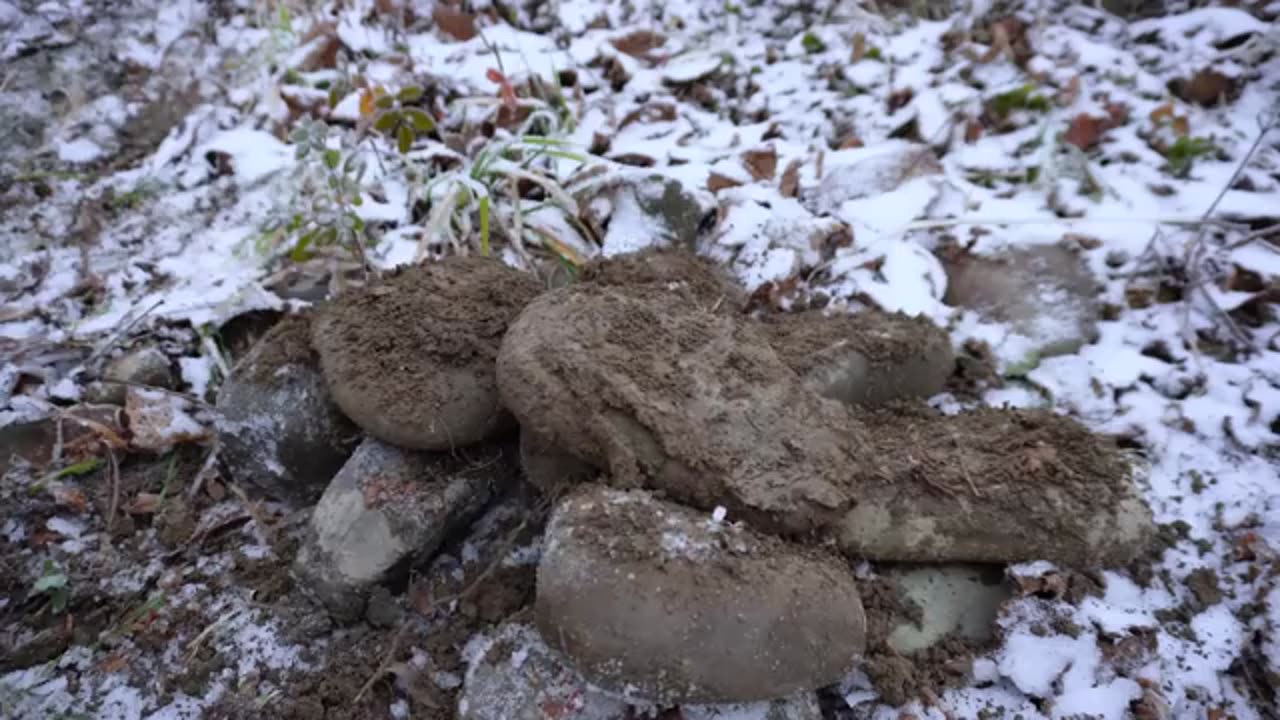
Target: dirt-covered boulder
{"type": "Point", "coordinates": [994, 486]}
{"type": "Point", "coordinates": [411, 358]}
{"type": "Point", "coordinates": [676, 270]}
{"type": "Point", "coordinates": [389, 509]}
{"type": "Point", "coordinates": [659, 393]}
{"type": "Point", "coordinates": [667, 604]}
{"type": "Point", "coordinates": [865, 358]}
{"type": "Point", "coordinates": [278, 427]}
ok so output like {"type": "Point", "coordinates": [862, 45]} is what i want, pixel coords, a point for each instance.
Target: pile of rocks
{"type": "Point", "coordinates": [714, 474]}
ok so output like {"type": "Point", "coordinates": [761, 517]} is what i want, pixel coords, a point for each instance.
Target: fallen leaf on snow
{"type": "Point", "coordinates": [638, 44]}
{"type": "Point", "coordinates": [1207, 87]}
{"type": "Point", "coordinates": [761, 163]}
{"type": "Point", "coordinates": [454, 23]}
{"type": "Point", "coordinates": [717, 182]}
{"type": "Point", "coordinates": [790, 184]}
{"type": "Point", "coordinates": [160, 420]}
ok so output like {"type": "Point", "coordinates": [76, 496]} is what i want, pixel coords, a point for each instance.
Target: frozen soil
{"type": "Point", "coordinates": [410, 358]}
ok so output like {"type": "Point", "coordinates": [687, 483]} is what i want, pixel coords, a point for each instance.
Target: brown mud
{"type": "Point", "coordinates": [410, 359]}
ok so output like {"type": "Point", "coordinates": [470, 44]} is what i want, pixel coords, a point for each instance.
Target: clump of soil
{"type": "Point", "coordinates": [920, 675]}
{"type": "Point", "coordinates": [675, 270]}
{"type": "Point", "coordinates": [288, 342]}
{"type": "Point", "coordinates": [993, 486]}
{"type": "Point", "coordinates": [866, 358]}
{"type": "Point", "coordinates": [410, 359]}
{"type": "Point", "coordinates": [666, 396]}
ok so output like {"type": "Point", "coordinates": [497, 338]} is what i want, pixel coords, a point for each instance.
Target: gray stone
{"type": "Point", "coordinates": [33, 442]}
{"type": "Point", "coordinates": [665, 604]}
{"type": "Point", "coordinates": [389, 509]}
{"type": "Point", "coordinates": [864, 172]}
{"type": "Point", "coordinates": [660, 208]}
{"type": "Point", "coordinates": [1044, 292]}
{"type": "Point", "coordinates": [797, 707]}
{"type": "Point", "coordinates": [144, 366]}
{"type": "Point", "coordinates": [278, 427]}
{"type": "Point", "coordinates": [513, 675]}
{"type": "Point", "coordinates": [962, 599]}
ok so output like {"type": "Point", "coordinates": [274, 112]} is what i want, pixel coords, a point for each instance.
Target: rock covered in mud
{"type": "Point", "coordinates": [411, 359]}
{"type": "Point", "coordinates": [867, 358]}
{"type": "Point", "coordinates": [661, 394]}
{"type": "Point", "coordinates": [797, 707]}
{"type": "Point", "coordinates": [1000, 486]}
{"type": "Point", "coordinates": [513, 675]}
{"type": "Point", "coordinates": [549, 468]}
{"type": "Point", "coordinates": [1045, 293]}
{"type": "Point", "coordinates": [666, 604]}
{"type": "Point", "coordinates": [389, 509]}
{"type": "Point", "coordinates": [278, 428]}
{"type": "Point", "coordinates": [675, 270]}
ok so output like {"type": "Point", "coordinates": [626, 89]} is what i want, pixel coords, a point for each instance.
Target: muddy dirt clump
{"type": "Point", "coordinates": [655, 600]}
{"type": "Point", "coordinates": [865, 358]}
{"type": "Point", "coordinates": [278, 427]}
{"type": "Point", "coordinates": [993, 486]}
{"type": "Point", "coordinates": [411, 359]}
{"type": "Point", "coordinates": [677, 271]}
{"type": "Point", "coordinates": [662, 395]}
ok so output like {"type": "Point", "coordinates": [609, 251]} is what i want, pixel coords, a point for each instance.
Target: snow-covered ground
{"type": "Point", "coordinates": [798, 130]}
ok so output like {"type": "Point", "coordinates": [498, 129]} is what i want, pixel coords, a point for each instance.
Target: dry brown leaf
{"type": "Point", "coordinates": [455, 23]}
{"type": "Point", "coordinates": [144, 504]}
{"type": "Point", "coordinates": [634, 160]}
{"type": "Point", "coordinates": [972, 131]}
{"type": "Point", "coordinates": [322, 48]}
{"type": "Point", "coordinates": [850, 143]}
{"type": "Point", "coordinates": [859, 47]}
{"type": "Point", "coordinates": [71, 498]}
{"type": "Point", "coordinates": [790, 183]}
{"type": "Point", "coordinates": [1068, 94]}
{"type": "Point", "coordinates": [113, 663]}
{"type": "Point", "coordinates": [638, 44]}
{"type": "Point", "coordinates": [899, 99]}
{"type": "Point", "coordinates": [1207, 87]}
{"type": "Point", "coordinates": [1084, 131]}
{"type": "Point", "coordinates": [159, 420]}
{"type": "Point", "coordinates": [762, 163]}
{"type": "Point", "coordinates": [717, 182]}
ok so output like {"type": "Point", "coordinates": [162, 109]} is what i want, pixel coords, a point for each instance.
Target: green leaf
{"type": "Point", "coordinates": [357, 200]}
{"type": "Point", "coordinates": [84, 467]}
{"type": "Point", "coordinates": [327, 236]}
{"type": "Point", "coordinates": [300, 251]}
{"type": "Point", "coordinates": [357, 222]}
{"type": "Point", "coordinates": [386, 121]}
{"type": "Point", "coordinates": [335, 97]}
{"type": "Point", "coordinates": [410, 94]}
{"type": "Point", "coordinates": [484, 226]}
{"type": "Point", "coordinates": [384, 102]}
{"type": "Point", "coordinates": [404, 140]}
{"type": "Point", "coordinates": [301, 152]}
{"type": "Point", "coordinates": [812, 43]}
{"type": "Point", "coordinates": [50, 581]}
{"type": "Point", "coordinates": [332, 158]}
{"type": "Point", "coordinates": [421, 121]}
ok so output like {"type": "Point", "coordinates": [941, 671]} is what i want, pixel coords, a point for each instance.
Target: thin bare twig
{"type": "Point", "coordinates": [115, 490]}
{"type": "Point", "coordinates": [503, 548]}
